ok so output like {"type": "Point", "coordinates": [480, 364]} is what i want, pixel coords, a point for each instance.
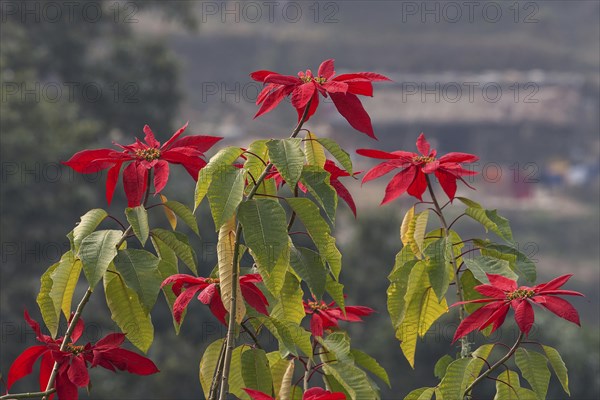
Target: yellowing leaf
{"type": "Point", "coordinates": [225, 249]}
{"type": "Point", "coordinates": [405, 235]}
{"type": "Point", "coordinates": [419, 231]}
{"type": "Point", "coordinates": [315, 154]}
{"type": "Point", "coordinates": [65, 279]}
{"type": "Point", "coordinates": [286, 382]}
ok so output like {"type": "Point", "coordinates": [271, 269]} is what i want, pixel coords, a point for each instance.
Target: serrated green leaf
{"type": "Point", "coordinates": [184, 213]}
{"type": "Point", "coordinates": [559, 367]}
{"type": "Point", "coordinates": [315, 154]}
{"type": "Point", "coordinates": [50, 314]}
{"type": "Point", "coordinates": [65, 278]}
{"type": "Point", "coordinates": [179, 244]}
{"type": "Point", "coordinates": [311, 269]}
{"type": "Point", "coordinates": [208, 365]}
{"type": "Point", "coordinates": [225, 254]}
{"type": "Point", "coordinates": [316, 180]}
{"type": "Point", "coordinates": [287, 156]}
{"type": "Point", "coordinates": [422, 309]}
{"type": "Point", "coordinates": [534, 368]}
{"type": "Point", "coordinates": [225, 194]}
{"type": "Point", "coordinates": [96, 252]}
{"type": "Point", "coordinates": [338, 153]}
{"type": "Point", "coordinates": [87, 224]}
{"type": "Point", "coordinates": [255, 371]}
{"type": "Point", "coordinates": [127, 312]}
{"type": "Point", "coordinates": [139, 269]}
{"type": "Point", "coordinates": [219, 162]}
{"type": "Point", "coordinates": [265, 230]}
{"type": "Point", "coordinates": [367, 362]}
{"type": "Point", "coordinates": [441, 366]}
{"type": "Point", "coordinates": [482, 265]}
{"type": "Point", "coordinates": [319, 231]}
{"type": "Point", "coordinates": [488, 218]}
{"type": "Point", "coordinates": [138, 219]}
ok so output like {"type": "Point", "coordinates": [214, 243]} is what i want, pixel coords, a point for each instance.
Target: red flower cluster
{"type": "Point", "coordinates": [315, 393]}
{"type": "Point", "coordinates": [187, 151]}
{"type": "Point", "coordinates": [305, 89]}
{"type": "Point", "coordinates": [186, 286]}
{"type": "Point", "coordinates": [412, 178]}
{"type": "Point", "coordinates": [324, 316]}
{"type": "Point", "coordinates": [503, 294]}
{"type": "Point", "coordinates": [73, 363]}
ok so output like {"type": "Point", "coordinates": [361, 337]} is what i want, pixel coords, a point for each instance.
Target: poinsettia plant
{"type": "Point", "coordinates": [261, 197]}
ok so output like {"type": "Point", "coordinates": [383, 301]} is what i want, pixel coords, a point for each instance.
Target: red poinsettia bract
{"type": "Point", "coordinates": [335, 173]}
{"type": "Point", "coordinates": [504, 294]}
{"type": "Point", "coordinates": [315, 393]}
{"type": "Point", "coordinates": [305, 89]}
{"type": "Point", "coordinates": [325, 316]}
{"type": "Point", "coordinates": [149, 154]}
{"type": "Point", "coordinates": [186, 286]}
{"type": "Point", "coordinates": [73, 363]}
{"type": "Point", "coordinates": [412, 178]}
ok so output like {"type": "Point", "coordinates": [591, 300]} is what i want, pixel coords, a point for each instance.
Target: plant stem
{"type": "Point", "coordinates": [496, 365]}
{"type": "Point", "coordinates": [29, 395]}
{"type": "Point", "coordinates": [464, 341]}
{"type": "Point", "coordinates": [86, 297]}
{"type": "Point", "coordinates": [230, 338]}
{"type": "Point", "coordinates": [212, 394]}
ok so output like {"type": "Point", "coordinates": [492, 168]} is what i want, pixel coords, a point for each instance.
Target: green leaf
{"type": "Point", "coordinates": [289, 306]}
{"type": "Point", "coordinates": [225, 194]}
{"type": "Point", "coordinates": [138, 219]}
{"type": "Point", "coordinates": [421, 394]}
{"type": "Point", "coordinates": [236, 381]}
{"type": "Point", "coordinates": [316, 180]}
{"type": "Point", "coordinates": [559, 367]}
{"type": "Point", "coordinates": [397, 290]}
{"type": "Point", "coordinates": [311, 269]}
{"type": "Point", "coordinates": [518, 261]}
{"type": "Point", "coordinates": [319, 231]}
{"type": "Point", "coordinates": [65, 278]}
{"type": "Point", "coordinates": [459, 375]}
{"type": "Point", "coordinates": [508, 387]}
{"type": "Point", "coordinates": [96, 252]}
{"type": "Point", "coordinates": [482, 265]}
{"type": "Point", "coordinates": [420, 227]}
{"type": "Point", "coordinates": [139, 269]}
{"type": "Point", "coordinates": [184, 213]}
{"type": "Point", "coordinates": [127, 312]}
{"type": "Point", "coordinates": [422, 309]}
{"type": "Point", "coordinates": [287, 156]}
{"type": "Point", "coordinates": [354, 380]}
{"type": "Point", "coordinates": [468, 283]}
{"type": "Point", "coordinates": [218, 163]}
{"type": "Point", "coordinates": [534, 368]}
{"type": "Point", "coordinates": [291, 337]}
{"type": "Point", "coordinates": [336, 291]}
{"type": "Point", "coordinates": [278, 366]}
{"type": "Point", "coordinates": [438, 260]}
{"type": "Point", "coordinates": [265, 230]}
{"type": "Point", "coordinates": [208, 365]}
{"type": "Point", "coordinates": [489, 219]}
{"type": "Point", "coordinates": [315, 154]}
{"type": "Point", "coordinates": [441, 366]}
{"type": "Point", "coordinates": [274, 279]}
{"type": "Point", "coordinates": [50, 314]}
{"type": "Point", "coordinates": [225, 253]}
{"type": "Point", "coordinates": [167, 266]}
{"type": "Point", "coordinates": [255, 370]}
{"type": "Point", "coordinates": [254, 166]}
{"type": "Point", "coordinates": [88, 224]}
{"type": "Point", "coordinates": [367, 362]}
{"type": "Point", "coordinates": [336, 151]}
{"type": "Point", "coordinates": [179, 244]}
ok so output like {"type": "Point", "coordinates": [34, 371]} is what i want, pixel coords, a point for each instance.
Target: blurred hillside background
{"type": "Point", "coordinates": [516, 83]}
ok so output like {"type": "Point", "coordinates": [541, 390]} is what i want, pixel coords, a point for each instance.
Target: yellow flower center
{"type": "Point", "coordinates": [309, 78]}
{"type": "Point", "coordinates": [423, 159]}
{"type": "Point", "coordinates": [71, 348]}
{"type": "Point", "coordinates": [210, 281]}
{"type": "Point", "coordinates": [317, 306]}
{"type": "Point", "coordinates": [520, 294]}
{"type": "Point", "coordinates": [148, 154]}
